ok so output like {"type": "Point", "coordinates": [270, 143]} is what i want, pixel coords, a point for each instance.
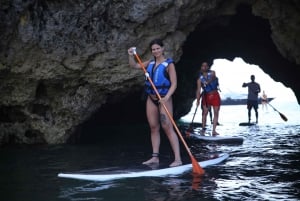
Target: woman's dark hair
{"type": "Point", "coordinates": [209, 67]}
{"type": "Point", "coordinates": [156, 42]}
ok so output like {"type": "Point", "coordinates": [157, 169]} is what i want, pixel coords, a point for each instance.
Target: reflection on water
{"type": "Point", "coordinates": [265, 167]}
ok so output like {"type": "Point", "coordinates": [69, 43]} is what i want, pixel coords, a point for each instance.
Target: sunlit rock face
{"type": "Point", "coordinates": [65, 62]}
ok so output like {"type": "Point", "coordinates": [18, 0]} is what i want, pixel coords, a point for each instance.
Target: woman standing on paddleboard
{"type": "Point", "coordinates": [163, 74]}
{"type": "Point", "coordinates": [208, 82]}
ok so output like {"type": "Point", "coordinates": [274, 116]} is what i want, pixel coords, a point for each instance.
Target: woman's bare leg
{"type": "Point", "coordinates": [153, 120]}
{"type": "Point", "coordinates": [169, 130]}
{"type": "Point", "coordinates": [204, 117]}
{"type": "Point", "coordinates": [216, 119]}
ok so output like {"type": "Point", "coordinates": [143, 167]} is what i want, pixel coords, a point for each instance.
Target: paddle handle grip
{"type": "Point", "coordinates": [133, 50]}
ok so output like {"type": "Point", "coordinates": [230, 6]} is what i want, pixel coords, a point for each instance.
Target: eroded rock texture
{"type": "Point", "coordinates": [63, 62]}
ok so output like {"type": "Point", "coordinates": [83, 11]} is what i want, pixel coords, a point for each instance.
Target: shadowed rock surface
{"type": "Point", "coordinates": [64, 64]}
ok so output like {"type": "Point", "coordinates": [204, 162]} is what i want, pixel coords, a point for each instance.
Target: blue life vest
{"type": "Point", "coordinates": [159, 77]}
{"type": "Point", "coordinates": [212, 86]}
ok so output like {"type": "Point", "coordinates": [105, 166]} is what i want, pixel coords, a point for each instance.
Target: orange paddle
{"type": "Point", "coordinates": [196, 167]}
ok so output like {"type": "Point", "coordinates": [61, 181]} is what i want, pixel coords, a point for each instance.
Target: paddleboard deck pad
{"type": "Point", "coordinates": [170, 171]}
{"type": "Point", "coordinates": [221, 139]}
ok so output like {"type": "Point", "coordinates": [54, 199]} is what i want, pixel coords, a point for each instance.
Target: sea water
{"type": "Point", "coordinates": [265, 167]}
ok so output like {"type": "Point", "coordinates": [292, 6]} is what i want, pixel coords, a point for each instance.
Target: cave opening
{"type": "Point", "coordinates": [242, 35]}
{"type": "Point", "coordinates": [228, 37]}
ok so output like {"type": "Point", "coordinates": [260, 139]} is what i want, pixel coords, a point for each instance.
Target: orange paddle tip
{"type": "Point", "coordinates": [197, 169]}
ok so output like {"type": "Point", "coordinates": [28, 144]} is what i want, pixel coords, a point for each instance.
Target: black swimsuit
{"type": "Point", "coordinates": [155, 101]}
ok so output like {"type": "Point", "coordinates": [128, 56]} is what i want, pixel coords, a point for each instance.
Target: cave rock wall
{"type": "Point", "coordinates": [62, 61]}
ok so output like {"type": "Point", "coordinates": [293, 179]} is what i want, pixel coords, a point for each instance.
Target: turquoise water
{"type": "Point", "coordinates": [265, 167]}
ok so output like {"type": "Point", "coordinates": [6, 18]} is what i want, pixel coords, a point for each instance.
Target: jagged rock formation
{"type": "Point", "coordinates": [63, 61]}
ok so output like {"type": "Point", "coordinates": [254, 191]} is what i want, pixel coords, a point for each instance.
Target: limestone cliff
{"type": "Point", "coordinates": [62, 61]}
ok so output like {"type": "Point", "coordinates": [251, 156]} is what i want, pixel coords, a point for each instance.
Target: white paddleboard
{"type": "Point", "coordinates": [222, 139]}
{"type": "Point", "coordinates": [172, 171]}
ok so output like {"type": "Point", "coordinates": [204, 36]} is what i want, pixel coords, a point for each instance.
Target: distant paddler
{"type": "Point", "coordinates": [208, 82]}
{"type": "Point", "coordinates": [252, 102]}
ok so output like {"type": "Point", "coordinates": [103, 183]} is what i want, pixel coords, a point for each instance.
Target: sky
{"type": "Point", "coordinates": [232, 74]}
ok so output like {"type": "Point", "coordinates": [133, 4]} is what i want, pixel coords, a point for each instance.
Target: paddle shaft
{"type": "Point", "coordinates": [273, 107]}
{"type": "Point", "coordinates": [168, 113]}
{"type": "Point", "coordinates": [191, 124]}
{"type": "Point", "coordinates": [194, 115]}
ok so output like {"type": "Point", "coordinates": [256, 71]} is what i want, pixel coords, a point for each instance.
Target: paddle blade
{"type": "Point", "coordinates": [197, 180]}
{"type": "Point", "coordinates": [283, 117]}
{"type": "Point", "coordinates": [197, 169]}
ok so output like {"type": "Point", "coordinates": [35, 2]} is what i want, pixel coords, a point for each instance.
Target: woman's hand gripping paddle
{"type": "Point", "coordinates": [196, 167]}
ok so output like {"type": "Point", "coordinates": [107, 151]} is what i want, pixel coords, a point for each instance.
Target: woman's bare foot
{"type": "Point", "coordinates": [153, 160]}
{"type": "Point", "coordinates": [175, 163]}
{"type": "Point", "coordinates": [215, 133]}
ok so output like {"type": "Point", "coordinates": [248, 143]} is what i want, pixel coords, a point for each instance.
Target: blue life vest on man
{"type": "Point", "coordinates": [212, 86]}
{"type": "Point", "coordinates": [159, 77]}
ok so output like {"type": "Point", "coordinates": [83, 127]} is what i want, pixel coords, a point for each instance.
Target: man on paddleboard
{"type": "Point", "coordinates": [162, 72]}
{"type": "Point", "coordinates": [208, 82]}
{"type": "Point", "coordinates": [252, 102]}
